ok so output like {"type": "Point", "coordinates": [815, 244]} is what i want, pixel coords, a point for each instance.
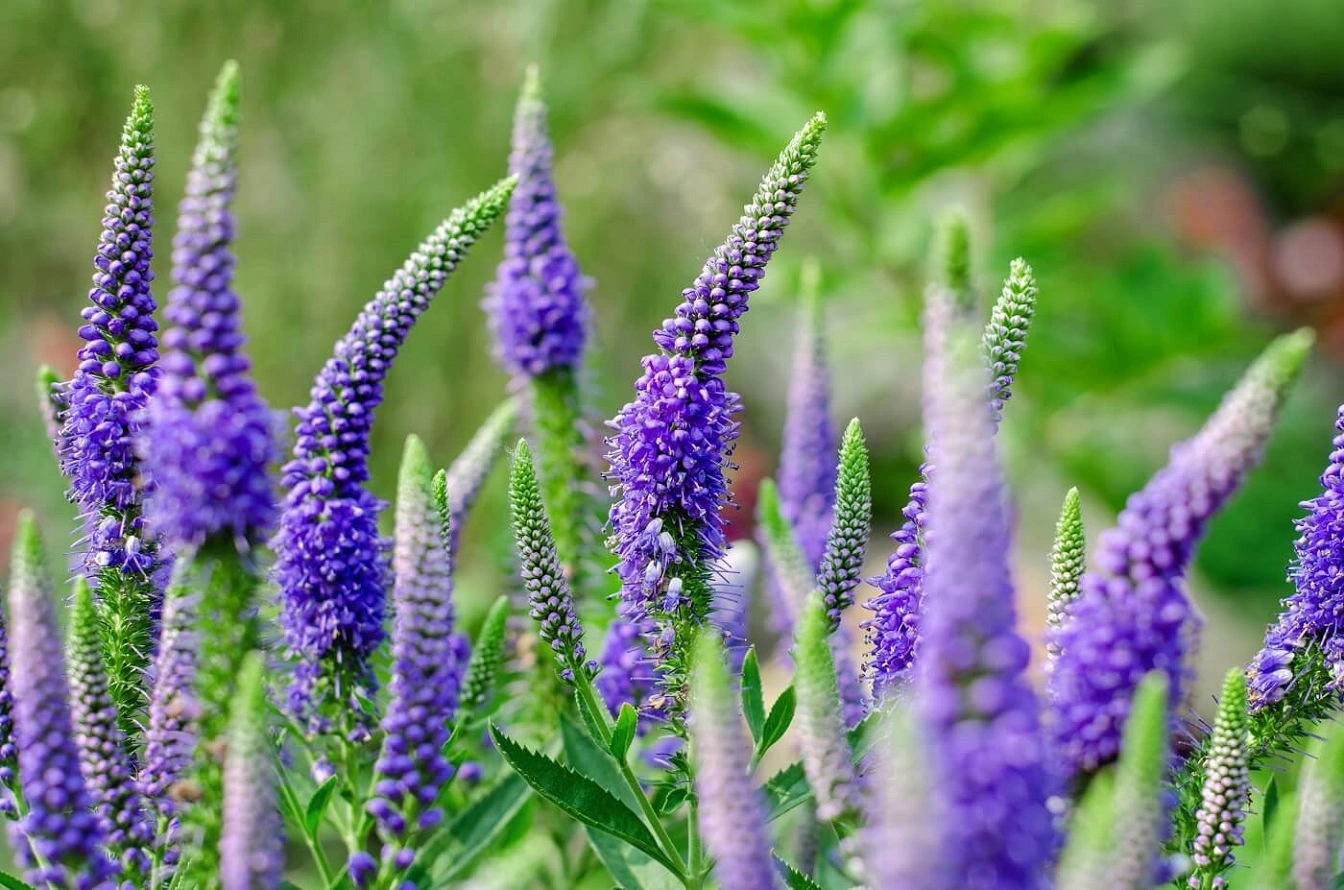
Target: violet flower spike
{"type": "Point", "coordinates": [59, 840]}
{"type": "Point", "coordinates": [1133, 615]}
{"type": "Point", "coordinates": [973, 693]}
{"type": "Point", "coordinates": [732, 817]}
{"type": "Point", "coordinates": [1225, 796]}
{"type": "Point", "coordinates": [426, 668]}
{"type": "Point", "coordinates": [671, 445]}
{"type": "Point", "coordinates": [902, 832]}
{"type": "Point", "coordinates": [9, 749]}
{"type": "Point", "coordinates": [331, 561]}
{"type": "Point", "coordinates": [209, 437]}
{"type": "Point", "coordinates": [252, 840]}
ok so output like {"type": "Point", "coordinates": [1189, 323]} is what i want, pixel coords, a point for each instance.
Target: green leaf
{"type": "Point", "coordinates": [753, 701]}
{"type": "Point", "coordinates": [475, 828]}
{"type": "Point", "coordinates": [781, 715]}
{"type": "Point", "coordinates": [589, 758]}
{"type": "Point", "coordinates": [579, 796]}
{"type": "Point", "coordinates": [624, 733]}
{"type": "Point", "coordinates": [9, 882]}
{"type": "Point", "coordinates": [317, 807]}
{"type": "Point", "coordinates": [674, 798]}
{"type": "Point", "coordinates": [1269, 808]}
{"type": "Point", "coordinates": [631, 869]}
{"type": "Point", "coordinates": [786, 790]}
{"type": "Point", "coordinates": [794, 878]}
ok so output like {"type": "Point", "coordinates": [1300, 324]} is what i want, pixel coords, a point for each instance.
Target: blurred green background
{"type": "Point", "coordinates": [1172, 170]}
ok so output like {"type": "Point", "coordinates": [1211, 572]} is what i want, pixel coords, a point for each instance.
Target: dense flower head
{"type": "Point", "coordinates": [986, 748]}
{"type": "Point", "coordinates": [847, 538]}
{"type": "Point", "coordinates": [791, 573]}
{"type": "Point", "coordinates": [103, 755]}
{"type": "Point", "coordinates": [117, 364]}
{"type": "Point", "coordinates": [536, 306]}
{"type": "Point", "coordinates": [331, 561]}
{"type": "Point", "coordinates": [252, 840]}
{"type": "Point", "coordinates": [1225, 794]}
{"type": "Point", "coordinates": [548, 595]}
{"type": "Point", "coordinates": [827, 758]}
{"type": "Point", "coordinates": [1005, 335]}
{"type": "Point", "coordinates": [60, 839]}
{"type": "Point", "coordinates": [427, 663]}
{"type": "Point", "coordinates": [1133, 615]}
{"type": "Point", "coordinates": [732, 817]}
{"type": "Point", "coordinates": [1068, 560]}
{"type": "Point", "coordinates": [901, 836]}
{"type": "Point", "coordinates": [628, 673]}
{"type": "Point", "coordinates": [671, 444]}
{"type": "Point", "coordinates": [732, 598]}
{"type": "Point", "coordinates": [174, 709]}
{"type": "Point", "coordinates": [209, 435]}
{"type": "Point", "coordinates": [9, 751]}
{"type": "Point", "coordinates": [807, 460]}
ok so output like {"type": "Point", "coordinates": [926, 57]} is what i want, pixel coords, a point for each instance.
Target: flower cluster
{"type": "Point", "coordinates": [1227, 787]}
{"type": "Point", "coordinates": [252, 844]}
{"type": "Point", "coordinates": [332, 563]}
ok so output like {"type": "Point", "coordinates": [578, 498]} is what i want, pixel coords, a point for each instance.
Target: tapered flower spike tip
{"type": "Point", "coordinates": [851, 525]}
{"type": "Point", "coordinates": [792, 571]}
{"type": "Point", "coordinates": [252, 840]}
{"type": "Point", "coordinates": [50, 401]}
{"type": "Point", "coordinates": [1005, 335]}
{"type": "Point", "coordinates": [954, 258]}
{"type": "Point", "coordinates": [1225, 794]}
{"type": "Point", "coordinates": [1068, 559]}
{"type": "Point", "coordinates": [1320, 815]}
{"type": "Point", "coordinates": [1085, 863]}
{"type": "Point", "coordinates": [467, 474]}
{"type": "Point", "coordinates": [548, 594]}
{"type": "Point", "coordinates": [827, 758]}
{"type": "Point", "coordinates": [1139, 809]}
{"type": "Point", "coordinates": [732, 819]}
{"type": "Point", "coordinates": [487, 657]}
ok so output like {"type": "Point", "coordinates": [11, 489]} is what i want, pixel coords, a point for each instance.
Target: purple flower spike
{"type": "Point", "coordinates": [331, 561]}
{"type": "Point", "coordinates": [807, 462]}
{"type": "Point", "coordinates": [9, 750]}
{"type": "Point", "coordinates": [209, 436]}
{"type": "Point", "coordinates": [174, 709]}
{"type": "Point", "coordinates": [987, 752]}
{"type": "Point", "coordinates": [426, 668]}
{"type": "Point", "coordinates": [59, 840]}
{"type": "Point", "coordinates": [732, 819]}
{"type": "Point", "coordinates": [252, 839]}
{"type": "Point", "coordinates": [1133, 615]}
{"type": "Point", "coordinates": [671, 444]}
{"type": "Point", "coordinates": [535, 305]}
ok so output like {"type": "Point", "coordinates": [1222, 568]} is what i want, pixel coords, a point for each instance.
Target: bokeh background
{"type": "Point", "coordinates": [1172, 170]}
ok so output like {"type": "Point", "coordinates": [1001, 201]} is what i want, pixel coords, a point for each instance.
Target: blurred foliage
{"type": "Point", "coordinates": [1057, 124]}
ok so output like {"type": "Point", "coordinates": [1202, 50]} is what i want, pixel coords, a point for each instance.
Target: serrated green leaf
{"type": "Point", "coordinates": [753, 701]}
{"type": "Point", "coordinates": [674, 798]}
{"type": "Point", "coordinates": [589, 758]}
{"type": "Point", "coordinates": [624, 733]}
{"type": "Point", "coordinates": [781, 715]}
{"type": "Point", "coordinates": [794, 878]}
{"type": "Point", "coordinates": [786, 790]}
{"type": "Point", "coordinates": [579, 796]}
{"type": "Point", "coordinates": [475, 829]}
{"type": "Point", "coordinates": [9, 882]}
{"type": "Point", "coordinates": [317, 807]}
{"type": "Point", "coordinates": [629, 868]}
{"type": "Point", "coordinates": [1269, 807]}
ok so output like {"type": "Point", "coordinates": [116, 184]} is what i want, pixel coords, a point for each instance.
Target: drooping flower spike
{"type": "Point", "coordinates": [987, 753]}
{"type": "Point", "coordinates": [331, 561]}
{"type": "Point", "coordinates": [671, 445]}
{"type": "Point", "coordinates": [893, 632]}
{"type": "Point", "coordinates": [104, 407]}
{"type": "Point", "coordinates": [732, 817]}
{"type": "Point", "coordinates": [103, 756]}
{"type": "Point", "coordinates": [209, 437]}
{"type": "Point", "coordinates": [59, 840]}
{"type": "Point", "coordinates": [1225, 795]}
{"type": "Point", "coordinates": [426, 668]}
{"type": "Point", "coordinates": [1068, 560]}
{"type": "Point", "coordinates": [1133, 615]}
{"type": "Point", "coordinates": [252, 841]}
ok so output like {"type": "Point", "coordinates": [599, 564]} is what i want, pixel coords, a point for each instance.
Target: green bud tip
{"type": "Point", "coordinates": [954, 255]}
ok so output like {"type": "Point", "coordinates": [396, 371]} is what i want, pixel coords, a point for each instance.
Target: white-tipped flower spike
{"type": "Point", "coordinates": [827, 757]}
{"type": "Point", "coordinates": [1140, 812]}
{"type": "Point", "coordinates": [1320, 816]}
{"type": "Point", "coordinates": [252, 842]}
{"type": "Point", "coordinates": [1227, 788]}
{"type": "Point", "coordinates": [851, 525]}
{"type": "Point", "coordinates": [732, 818]}
{"type": "Point", "coordinates": [1068, 559]}
{"type": "Point", "coordinates": [1005, 336]}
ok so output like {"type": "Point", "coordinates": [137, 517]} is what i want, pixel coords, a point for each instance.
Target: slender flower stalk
{"type": "Point", "coordinates": [103, 758]}
{"type": "Point", "coordinates": [827, 757]}
{"type": "Point", "coordinates": [552, 605]}
{"type": "Point", "coordinates": [893, 633]}
{"type": "Point", "coordinates": [467, 474]}
{"type": "Point", "coordinates": [732, 819]}
{"type": "Point", "coordinates": [1068, 561]}
{"type": "Point", "coordinates": [987, 751]}
{"type": "Point", "coordinates": [1133, 615]}
{"type": "Point", "coordinates": [412, 769]}
{"type": "Point", "coordinates": [672, 444]}
{"type": "Point", "coordinates": [104, 406]}
{"type": "Point", "coordinates": [252, 844]}
{"type": "Point", "coordinates": [1227, 788]}
{"type": "Point", "coordinates": [847, 540]}
{"type": "Point", "coordinates": [58, 840]}
{"type": "Point", "coordinates": [331, 561]}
